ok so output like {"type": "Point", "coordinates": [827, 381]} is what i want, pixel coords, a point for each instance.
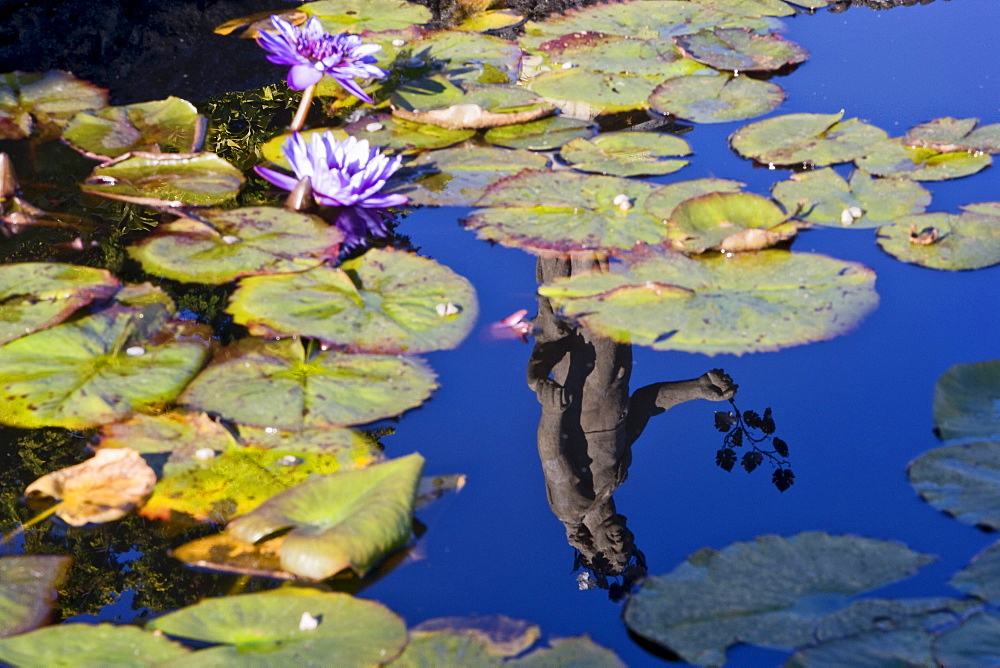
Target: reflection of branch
{"type": "Point", "coordinates": [742, 430]}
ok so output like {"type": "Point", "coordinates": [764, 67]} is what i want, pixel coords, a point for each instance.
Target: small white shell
{"type": "Point", "coordinates": [445, 310]}
{"type": "Point", "coordinates": [289, 460]}
{"type": "Point", "coordinates": [568, 66]}
{"type": "Point", "coordinates": [856, 212]}
{"type": "Point", "coordinates": [374, 127]}
{"type": "Point", "coordinates": [622, 201]}
{"type": "Point", "coordinates": [399, 42]}
{"type": "Point", "coordinates": [204, 454]}
{"type": "Point", "coordinates": [135, 351]}
{"type": "Point", "coordinates": [230, 239]}
{"type": "Point", "coordinates": [308, 622]}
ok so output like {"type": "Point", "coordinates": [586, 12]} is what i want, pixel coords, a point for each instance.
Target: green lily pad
{"type": "Point", "coordinates": [357, 16]}
{"type": "Point", "coordinates": [444, 649]}
{"type": "Point", "coordinates": [382, 301]}
{"type": "Point", "coordinates": [167, 432]}
{"type": "Point", "coordinates": [774, 592]}
{"type": "Point", "coordinates": [969, 240]}
{"type": "Point", "coordinates": [498, 635]}
{"type": "Point", "coordinates": [458, 176]}
{"type": "Point", "coordinates": [716, 99]}
{"type": "Point", "coordinates": [730, 222]}
{"type": "Point", "coordinates": [28, 585]}
{"type": "Point", "coordinates": [351, 519]}
{"type": "Point", "coordinates": [563, 211]}
{"type": "Point", "coordinates": [541, 135]}
{"type": "Point", "coordinates": [823, 197]}
{"type": "Point", "coordinates": [740, 49]}
{"type": "Point", "coordinates": [399, 134]}
{"type": "Point", "coordinates": [359, 447]}
{"type": "Point", "coordinates": [750, 8]}
{"type": "Point", "coordinates": [166, 179]}
{"type": "Point", "coordinates": [961, 480]}
{"type": "Point", "coordinates": [967, 401]}
{"type": "Point", "coordinates": [37, 295]}
{"type": "Point", "coordinates": [981, 578]}
{"type": "Point", "coordinates": [274, 384]}
{"type": "Point", "coordinates": [807, 139]}
{"type": "Point", "coordinates": [468, 57]}
{"type": "Point", "coordinates": [614, 54]}
{"type": "Point", "coordinates": [98, 369]}
{"type": "Point", "coordinates": [289, 626]}
{"type": "Point", "coordinates": [893, 158]}
{"type": "Point", "coordinates": [714, 304]}
{"type": "Point", "coordinates": [219, 246]}
{"type": "Point", "coordinates": [69, 645]}
{"type": "Point", "coordinates": [32, 102]}
{"type": "Point", "coordinates": [955, 134]}
{"type": "Point", "coordinates": [493, 19]}
{"type": "Point", "coordinates": [473, 106]}
{"type": "Point", "coordinates": [165, 125]}
{"type": "Point", "coordinates": [627, 153]}
{"type": "Point", "coordinates": [584, 95]}
{"type": "Point", "coordinates": [664, 199]}
{"type": "Point", "coordinates": [581, 651]}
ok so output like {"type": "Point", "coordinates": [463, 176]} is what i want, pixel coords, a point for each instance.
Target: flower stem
{"type": "Point", "coordinates": [303, 110]}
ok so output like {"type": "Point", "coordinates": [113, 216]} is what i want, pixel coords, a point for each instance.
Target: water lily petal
{"type": "Point", "coordinates": [301, 77]}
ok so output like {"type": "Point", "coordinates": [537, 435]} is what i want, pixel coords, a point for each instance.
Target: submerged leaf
{"type": "Point", "coordinates": [28, 585]}
{"type": "Point", "coordinates": [500, 636]}
{"type": "Point", "coordinates": [580, 651]}
{"type": "Point", "coordinates": [166, 179]}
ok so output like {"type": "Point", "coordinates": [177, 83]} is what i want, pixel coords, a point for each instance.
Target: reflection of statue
{"type": "Point", "coordinates": [589, 423]}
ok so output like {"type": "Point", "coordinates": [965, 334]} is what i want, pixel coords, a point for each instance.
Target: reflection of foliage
{"type": "Point", "coordinates": [238, 123]}
{"type": "Point", "coordinates": [749, 428]}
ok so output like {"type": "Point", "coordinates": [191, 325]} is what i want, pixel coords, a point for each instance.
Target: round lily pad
{"type": "Point", "coordinates": [714, 304]}
{"type": "Point", "coordinates": [28, 584]}
{"type": "Point", "coordinates": [275, 384]}
{"type": "Point", "coordinates": [740, 49]}
{"type": "Point", "coordinates": [729, 222]}
{"type": "Point", "coordinates": [471, 106]}
{"type": "Point", "coordinates": [716, 99]}
{"type": "Point", "coordinates": [218, 246]}
{"type": "Point", "coordinates": [562, 211]}
{"type": "Point", "coordinates": [585, 95]}
{"type": "Point", "coordinates": [627, 153]}
{"type": "Point", "coordinates": [382, 301]}
{"type": "Point", "coordinates": [955, 134]}
{"type": "Point", "coordinates": [37, 295]}
{"type": "Point", "coordinates": [806, 139]}
{"type": "Point", "coordinates": [981, 578]}
{"type": "Point", "coordinates": [468, 57]}
{"type": "Point", "coordinates": [289, 626]}
{"type": "Point", "coordinates": [750, 8]}
{"type": "Point", "coordinates": [975, 642]}
{"type": "Point", "coordinates": [541, 135]}
{"type": "Point", "coordinates": [967, 401]}
{"type": "Point", "coordinates": [399, 134]}
{"type": "Point", "coordinates": [642, 19]}
{"type": "Point", "coordinates": [614, 54]}
{"type": "Point", "coordinates": [823, 197]}
{"type": "Point", "coordinates": [90, 645]}
{"type": "Point", "coordinates": [969, 240]}
{"type": "Point", "coordinates": [43, 102]}
{"type": "Point", "coordinates": [167, 432]}
{"type": "Point", "coordinates": [357, 16]}
{"type": "Point", "coordinates": [492, 19]}
{"type": "Point", "coordinates": [961, 480]}
{"type": "Point", "coordinates": [664, 199]}
{"type": "Point", "coordinates": [894, 158]}
{"type": "Point", "coordinates": [166, 179]}
{"type": "Point", "coordinates": [164, 125]}
{"type": "Point", "coordinates": [497, 635]}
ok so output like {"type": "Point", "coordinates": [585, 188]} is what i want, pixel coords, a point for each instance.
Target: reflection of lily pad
{"type": "Point", "coordinates": [28, 585]}
{"type": "Point", "coordinates": [961, 480]}
{"type": "Point", "coordinates": [893, 158]}
{"type": "Point", "coordinates": [166, 179]}
{"type": "Point", "coordinates": [981, 578]}
{"type": "Point", "coordinates": [351, 519]}
{"type": "Point", "coordinates": [472, 106]}
{"type": "Point", "coordinates": [382, 301]}
{"type": "Point", "coordinates": [809, 139]}
{"type": "Point", "coordinates": [399, 134]}
{"type": "Point", "coordinates": [540, 135]}
{"type": "Point", "coordinates": [774, 592]}
{"type": "Point", "coordinates": [746, 303]}
{"type": "Point", "coordinates": [729, 222]}
{"type": "Point", "coordinates": [273, 384]}
{"type": "Point", "coordinates": [627, 153]}
{"type": "Point", "coordinates": [165, 125]}
{"type": "Point", "coordinates": [740, 49]}
{"type": "Point", "coordinates": [825, 198]}
{"type": "Point", "coordinates": [969, 240]}
{"type": "Point", "coordinates": [220, 246]}
{"type": "Point", "coordinates": [955, 134]}
{"type": "Point", "coordinates": [36, 295]}
{"type": "Point", "coordinates": [43, 102]}
{"type": "Point", "coordinates": [585, 95]}
{"type": "Point", "coordinates": [967, 401]}
{"type": "Point", "coordinates": [90, 645]}
{"type": "Point", "coordinates": [716, 99]}
{"type": "Point", "coordinates": [357, 16]}
{"type": "Point", "coordinates": [291, 626]}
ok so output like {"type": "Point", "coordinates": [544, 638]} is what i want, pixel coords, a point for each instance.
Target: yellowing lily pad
{"type": "Point", "coordinates": [382, 301]}
{"type": "Point", "coordinates": [172, 124]}
{"type": "Point", "coordinates": [714, 304]}
{"type": "Point", "coordinates": [806, 139]}
{"type": "Point", "coordinates": [584, 95]}
{"type": "Point", "coordinates": [357, 16]}
{"type": "Point", "coordinates": [493, 19]}
{"type": "Point", "coordinates": [716, 99]}
{"type": "Point", "coordinates": [627, 153]}
{"type": "Point", "coordinates": [276, 384]}
{"type": "Point", "coordinates": [399, 134]}
{"type": "Point", "coordinates": [90, 645]}
{"type": "Point", "coordinates": [472, 106]}
{"type": "Point", "coordinates": [218, 246]}
{"type": "Point", "coordinates": [351, 519]}
{"type": "Point", "coordinates": [955, 134]}
{"type": "Point", "coordinates": [729, 222]}
{"type": "Point", "coordinates": [43, 102]}
{"type": "Point", "coordinates": [166, 179]}
{"type": "Point", "coordinates": [740, 49]}
{"type": "Point", "coordinates": [895, 158]}
{"type": "Point", "coordinates": [359, 447]}
{"type": "Point", "coordinates": [968, 240]}
{"type": "Point", "coordinates": [540, 135]}
{"type": "Point", "coordinates": [613, 54]}
{"type": "Point", "coordinates": [662, 202]}
{"type": "Point", "coordinates": [104, 488]}
{"type": "Point", "coordinates": [28, 584]}
{"type": "Point", "coordinates": [37, 295]}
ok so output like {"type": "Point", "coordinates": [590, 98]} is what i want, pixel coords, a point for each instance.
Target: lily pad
{"type": "Point", "coordinates": [468, 57]}
{"type": "Point", "coordinates": [627, 153]}
{"type": "Point", "coordinates": [275, 384]}
{"type": "Point", "coordinates": [961, 480]}
{"type": "Point", "coordinates": [976, 642]}
{"type": "Point", "coordinates": [31, 102]}
{"type": "Point", "coordinates": [459, 176]}
{"type": "Point", "coordinates": [981, 578]}
{"type": "Point", "coordinates": [969, 240]}
{"type": "Point", "coordinates": [642, 19]}
{"type": "Point", "coordinates": [444, 649]}
{"type": "Point", "coordinates": [716, 99]}
{"type": "Point", "coordinates": [740, 49]}
{"type": "Point", "coordinates": [967, 401]}
{"type": "Point", "coordinates": [166, 179]}
{"type": "Point", "coordinates": [351, 519]}
{"type": "Point", "coordinates": [493, 19]}
{"type": "Point", "coordinates": [356, 448]}
{"type": "Point", "coordinates": [584, 95]}
{"type": "Point", "coordinates": [382, 301]}
{"type": "Point", "coordinates": [38, 295]}
{"type": "Point", "coordinates": [218, 246]}
{"type": "Point", "coordinates": [823, 197]}
{"type": "Point", "coordinates": [499, 635]}
{"type": "Point", "coordinates": [357, 16]}
{"type": "Point", "coordinates": [613, 54]}
{"type": "Point", "coordinates": [473, 106]}
{"type": "Point", "coordinates": [28, 585]}
{"type": "Point", "coordinates": [896, 647]}
{"type": "Point", "coordinates": [806, 139]}
{"type": "Point", "coordinates": [562, 211]}
{"type": "Point", "coordinates": [955, 134]}
{"type": "Point", "coordinates": [774, 592]}
{"type": "Point", "coordinates": [581, 651]}
{"type": "Point", "coordinates": [541, 135]}
{"type": "Point", "coordinates": [165, 125]}
{"type": "Point", "coordinates": [894, 158]}
{"type": "Point", "coordinates": [175, 432]}
{"type": "Point", "coordinates": [98, 369]}
{"type": "Point", "coordinates": [714, 304]}
{"type": "Point", "coordinates": [293, 626]}
{"type": "Point", "coordinates": [225, 553]}
{"type": "Point", "coordinates": [90, 645]}
{"type": "Point", "coordinates": [399, 134]}
{"type": "Point", "coordinates": [662, 201]}
{"type": "Point", "coordinates": [750, 8]}
{"type": "Point", "coordinates": [729, 222]}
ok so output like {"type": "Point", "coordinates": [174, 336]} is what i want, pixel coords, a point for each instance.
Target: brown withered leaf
{"type": "Point", "coordinates": [754, 238]}
{"type": "Point", "coordinates": [224, 552]}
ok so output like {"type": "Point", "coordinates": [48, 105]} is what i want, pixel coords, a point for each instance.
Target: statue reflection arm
{"type": "Point", "coordinates": [657, 398]}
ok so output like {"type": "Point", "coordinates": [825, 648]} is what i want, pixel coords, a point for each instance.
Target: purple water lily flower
{"type": "Point", "coordinates": [312, 52]}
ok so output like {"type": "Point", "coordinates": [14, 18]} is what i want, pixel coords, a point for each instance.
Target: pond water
{"type": "Point", "coordinates": [854, 410]}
